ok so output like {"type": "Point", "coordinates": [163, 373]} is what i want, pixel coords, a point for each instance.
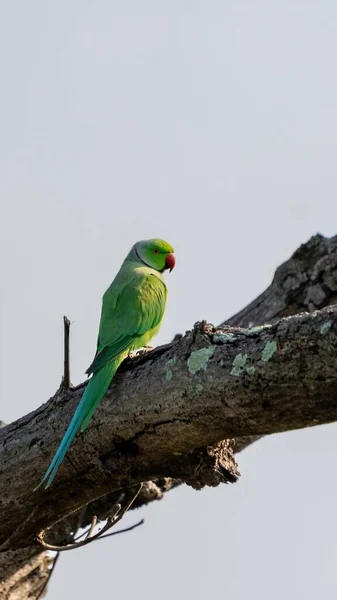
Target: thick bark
{"type": "Point", "coordinates": [23, 573]}
{"type": "Point", "coordinates": [211, 385]}
{"type": "Point", "coordinates": [304, 283]}
{"type": "Point", "coordinates": [208, 386]}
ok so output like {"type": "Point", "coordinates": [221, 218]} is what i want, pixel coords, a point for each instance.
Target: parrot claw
{"type": "Point", "coordinates": [140, 352]}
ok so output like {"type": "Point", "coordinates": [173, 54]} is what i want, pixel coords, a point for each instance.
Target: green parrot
{"type": "Point", "coordinates": [132, 311]}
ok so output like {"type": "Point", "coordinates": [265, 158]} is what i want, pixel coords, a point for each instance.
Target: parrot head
{"type": "Point", "coordinates": [156, 254]}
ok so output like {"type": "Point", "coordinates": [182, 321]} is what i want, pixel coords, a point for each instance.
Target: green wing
{"type": "Point", "coordinates": [131, 308]}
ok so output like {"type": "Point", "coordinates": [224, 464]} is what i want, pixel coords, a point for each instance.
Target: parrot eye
{"type": "Point", "coordinates": [156, 251]}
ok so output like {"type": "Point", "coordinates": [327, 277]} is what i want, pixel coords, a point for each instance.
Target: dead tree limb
{"type": "Point", "coordinates": [210, 385]}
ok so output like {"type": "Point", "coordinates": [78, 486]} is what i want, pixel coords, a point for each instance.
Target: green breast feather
{"type": "Point", "coordinates": [132, 309]}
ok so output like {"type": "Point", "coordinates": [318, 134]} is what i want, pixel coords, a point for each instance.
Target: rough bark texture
{"type": "Point", "coordinates": [170, 410]}
{"type": "Point", "coordinates": [304, 283]}
{"type": "Point", "coordinates": [23, 573]}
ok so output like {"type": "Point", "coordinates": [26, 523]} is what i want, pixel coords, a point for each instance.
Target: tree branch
{"type": "Point", "coordinates": [211, 385]}
{"type": "Point", "coordinates": [162, 408]}
{"type": "Point", "coordinates": [304, 283]}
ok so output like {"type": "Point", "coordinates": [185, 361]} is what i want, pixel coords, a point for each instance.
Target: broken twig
{"type": "Point", "coordinates": [89, 537]}
{"type": "Point", "coordinates": [66, 364]}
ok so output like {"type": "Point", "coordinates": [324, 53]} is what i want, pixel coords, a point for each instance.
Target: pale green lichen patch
{"type": "Point", "coordinates": [239, 364]}
{"type": "Point", "coordinates": [199, 388]}
{"type": "Point", "coordinates": [198, 359]}
{"type": "Point", "coordinates": [168, 373]}
{"type": "Point", "coordinates": [268, 351]}
{"type": "Point", "coordinates": [255, 330]}
{"type": "Point", "coordinates": [250, 370]}
{"type": "Point", "coordinates": [223, 338]}
{"type": "Point", "coordinates": [325, 327]}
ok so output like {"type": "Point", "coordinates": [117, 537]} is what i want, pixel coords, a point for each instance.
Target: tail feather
{"type": "Point", "coordinates": [93, 394]}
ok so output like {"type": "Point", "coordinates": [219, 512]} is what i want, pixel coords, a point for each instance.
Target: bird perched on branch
{"type": "Point", "coordinates": [132, 311]}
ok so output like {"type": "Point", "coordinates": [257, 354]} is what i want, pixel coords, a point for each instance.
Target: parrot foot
{"type": "Point", "coordinates": [140, 352]}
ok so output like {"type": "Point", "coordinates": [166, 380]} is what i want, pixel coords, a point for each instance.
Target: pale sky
{"type": "Point", "coordinates": [212, 124]}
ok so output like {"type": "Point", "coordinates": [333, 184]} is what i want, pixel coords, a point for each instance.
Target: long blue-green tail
{"type": "Point", "coordinates": [93, 394]}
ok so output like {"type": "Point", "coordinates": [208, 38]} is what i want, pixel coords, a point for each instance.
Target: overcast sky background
{"type": "Point", "coordinates": [212, 124]}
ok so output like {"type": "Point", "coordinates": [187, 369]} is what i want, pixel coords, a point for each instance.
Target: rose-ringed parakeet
{"type": "Point", "coordinates": [132, 311]}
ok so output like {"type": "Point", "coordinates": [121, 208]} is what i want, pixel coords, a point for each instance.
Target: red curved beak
{"type": "Point", "coordinates": [170, 261]}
